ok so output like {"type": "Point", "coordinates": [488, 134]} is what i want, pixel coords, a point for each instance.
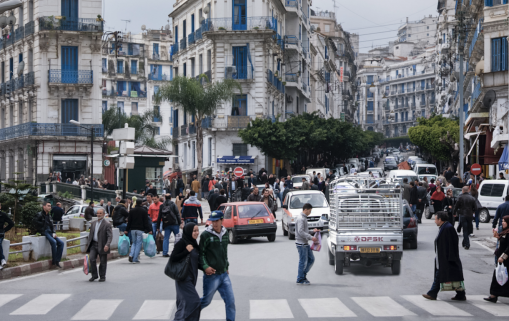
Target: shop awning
{"type": "Point", "coordinates": [503, 161]}
{"type": "Point", "coordinates": [236, 159]}
{"type": "Point", "coordinates": [473, 145]}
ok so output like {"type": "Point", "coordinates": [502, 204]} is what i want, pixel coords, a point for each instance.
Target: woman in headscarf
{"type": "Point", "coordinates": [502, 253]}
{"type": "Point", "coordinates": [437, 198]}
{"type": "Point", "coordinates": [188, 300]}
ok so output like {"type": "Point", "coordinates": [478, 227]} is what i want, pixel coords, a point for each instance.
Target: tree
{"type": "Point", "coordinates": [200, 100]}
{"type": "Point", "coordinates": [19, 194]}
{"type": "Point", "coordinates": [439, 136]}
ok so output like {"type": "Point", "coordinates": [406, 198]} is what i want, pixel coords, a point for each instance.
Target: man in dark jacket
{"type": "Point", "coordinates": [421, 201]}
{"type": "Point", "coordinates": [44, 225]}
{"type": "Point", "coordinates": [169, 215]}
{"type": "Point", "coordinates": [448, 266]}
{"type": "Point", "coordinates": [214, 193]}
{"type": "Point", "coordinates": [254, 196]}
{"type": "Point", "coordinates": [138, 223]}
{"type": "Point", "coordinates": [221, 199]}
{"type": "Point", "coordinates": [180, 185]}
{"type": "Point", "coordinates": [455, 181]}
{"type": "Point", "coordinates": [406, 190]}
{"type": "Point", "coordinates": [289, 182]}
{"type": "Point", "coordinates": [465, 207]}
{"type": "Point", "coordinates": [205, 187]}
{"type": "Point", "coordinates": [449, 174]}
{"type": "Point", "coordinates": [413, 197]}
{"type": "Point", "coordinates": [245, 192]}
{"type": "Point", "coordinates": [120, 215]}
{"type": "Point", "coordinates": [4, 219]}
{"type": "Point", "coordinates": [89, 211]}
{"type": "Point", "coordinates": [502, 210]}
{"type": "Point", "coordinates": [57, 213]}
{"type": "Point", "coordinates": [191, 209]}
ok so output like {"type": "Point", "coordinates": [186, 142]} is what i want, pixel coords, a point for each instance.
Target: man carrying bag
{"type": "Point", "coordinates": [169, 215]}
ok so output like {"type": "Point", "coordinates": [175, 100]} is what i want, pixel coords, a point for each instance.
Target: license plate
{"type": "Point", "coordinates": [370, 250]}
{"type": "Point", "coordinates": [255, 221]}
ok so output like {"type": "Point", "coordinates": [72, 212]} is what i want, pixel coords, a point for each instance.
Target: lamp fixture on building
{"type": "Point", "coordinates": [384, 99]}
{"type": "Point", "coordinates": [372, 88]}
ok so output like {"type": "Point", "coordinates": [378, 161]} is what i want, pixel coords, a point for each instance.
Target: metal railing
{"type": "Point", "coordinates": [241, 72]}
{"type": "Point", "coordinates": [58, 76]}
{"type": "Point", "coordinates": [197, 34]}
{"type": "Point", "coordinates": [183, 43]}
{"type": "Point", "coordinates": [76, 239]}
{"type": "Point", "coordinates": [163, 77]}
{"type": "Point", "coordinates": [71, 24]}
{"type": "Point", "coordinates": [19, 34]}
{"type": "Point", "coordinates": [29, 28]}
{"type": "Point", "coordinates": [478, 30]}
{"type": "Point", "coordinates": [49, 129]}
{"type": "Point", "coordinates": [19, 244]}
{"type": "Point", "coordinates": [190, 38]}
{"type": "Point", "coordinates": [183, 130]}
{"type": "Point", "coordinates": [238, 121]}
{"type": "Point", "coordinates": [206, 122]}
{"type": "Point", "coordinates": [192, 129]}
{"type": "Point", "coordinates": [291, 77]}
{"type": "Point", "coordinates": [236, 24]}
{"type": "Point", "coordinates": [291, 3]}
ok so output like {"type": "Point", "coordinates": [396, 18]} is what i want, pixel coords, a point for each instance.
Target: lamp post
{"type": "Point", "coordinates": [77, 123]}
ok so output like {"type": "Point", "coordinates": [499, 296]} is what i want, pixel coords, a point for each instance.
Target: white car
{"type": "Point", "coordinates": [297, 180]}
{"type": "Point", "coordinates": [292, 208]}
{"type": "Point", "coordinates": [401, 174]}
{"type": "Point", "coordinates": [77, 211]}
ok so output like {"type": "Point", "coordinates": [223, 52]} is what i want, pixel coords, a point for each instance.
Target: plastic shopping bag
{"type": "Point", "coordinates": [86, 264]}
{"type": "Point", "coordinates": [123, 245]}
{"type": "Point", "coordinates": [501, 273]}
{"type": "Point", "coordinates": [316, 246]}
{"type": "Point", "coordinates": [150, 246]}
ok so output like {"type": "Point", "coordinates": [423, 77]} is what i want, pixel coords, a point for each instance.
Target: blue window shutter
{"type": "Point", "coordinates": [176, 34]}
{"type": "Point", "coordinates": [69, 110]}
{"type": "Point", "coordinates": [495, 54]}
{"type": "Point", "coordinates": [488, 3]}
{"type": "Point", "coordinates": [326, 52]}
{"type": "Point", "coordinates": [176, 118]}
{"type": "Point", "coordinates": [134, 66]}
{"type": "Point", "coordinates": [171, 73]}
{"type": "Point", "coordinates": [192, 23]}
{"type": "Point", "coordinates": [160, 72]}
{"type": "Point", "coordinates": [503, 58]}
{"type": "Point", "coordinates": [397, 71]}
{"type": "Point", "coordinates": [156, 48]}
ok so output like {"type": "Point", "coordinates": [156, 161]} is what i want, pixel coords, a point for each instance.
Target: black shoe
{"type": "Point", "coordinates": [92, 279]}
{"type": "Point", "coordinates": [102, 280]}
{"type": "Point", "coordinates": [467, 247]}
{"type": "Point", "coordinates": [166, 255]}
{"type": "Point", "coordinates": [491, 299]}
{"type": "Point", "coordinates": [459, 298]}
{"type": "Point", "coordinates": [131, 259]}
{"type": "Point", "coordinates": [158, 252]}
{"type": "Point", "coordinates": [477, 228]}
{"type": "Point", "coordinates": [58, 266]}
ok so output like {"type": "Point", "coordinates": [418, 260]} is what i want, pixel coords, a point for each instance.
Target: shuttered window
{"type": "Point", "coordinates": [69, 110]}
{"type": "Point", "coordinates": [239, 149]}
{"type": "Point", "coordinates": [499, 55]}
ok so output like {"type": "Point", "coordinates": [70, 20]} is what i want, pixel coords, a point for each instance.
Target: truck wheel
{"type": "Point", "coordinates": [396, 267]}
{"type": "Point", "coordinates": [232, 237]}
{"type": "Point", "coordinates": [413, 244]}
{"type": "Point", "coordinates": [338, 266]}
{"type": "Point", "coordinates": [331, 257]}
{"type": "Point", "coordinates": [427, 213]}
{"type": "Point", "coordinates": [291, 236]}
{"type": "Point", "coordinates": [285, 232]}
{"type": "Point", "coordinates": [272, 237]}
{"type": "Point", "coordinates": [484, 216]}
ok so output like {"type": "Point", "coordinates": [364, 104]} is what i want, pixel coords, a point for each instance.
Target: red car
{"type": "Point", "coordinates": [248, 219]}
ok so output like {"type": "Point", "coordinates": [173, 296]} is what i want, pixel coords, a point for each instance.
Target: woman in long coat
{"type": "Point", "coordinates": [502, 255]}
{"type": "Point", "coordinates": [188, 300]}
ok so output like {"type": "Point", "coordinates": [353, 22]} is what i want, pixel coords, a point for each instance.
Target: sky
{"type": "Point", "coordinates": [376, 21]}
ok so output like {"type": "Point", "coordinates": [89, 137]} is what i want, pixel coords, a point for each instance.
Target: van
{"type": "Point", "coordinates": [425, 169]}
{"type": "Point", "coordinates": [492, 193]}
{"type": "Point", "coordinates": [324, 172]}
{"type": "Point", "coordinates": [402, 173]}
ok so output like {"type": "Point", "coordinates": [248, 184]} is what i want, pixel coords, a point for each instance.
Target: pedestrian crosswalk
{"type": "Point", "coordinates": [267, 309]}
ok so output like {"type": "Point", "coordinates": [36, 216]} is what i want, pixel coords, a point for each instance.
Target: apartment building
{"type": "Point", "coordinates": [422, 30]}
{"type": "Point", "coordinates": [50, 60]}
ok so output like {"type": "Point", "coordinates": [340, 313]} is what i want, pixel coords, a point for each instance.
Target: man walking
{"type": "Point", "coordinates": [109, 209]}
{"type": "Point", "coordinates": [448, 266]}
{"type": "Point", "coordinates": [421, 201]}
{"type": "Point", "coordinates": [44, 225]}
{"type": "Point", "coordinates": [465, 207]}
{"type": "Point", "coordinates": [214, 262]}
{"type": "Point", "coordinates": [4, 219]}
{"type": "Point", "coordinates": [169, 215]}
{"type": "Point", "coordinates": [191, 209]}
{"type": "Point", "coordinates": [413, 197]}
{"type": "Point", "coordinates": [302, 236]}
{"type": "Point", "coordinates": [502, 210]}
{"type": "Point", "coordinates": [254, 196]}
{"type": "Point", "coordinates": [58, 213]}
{"type": "Point", "coordinates": [289, 182]}
{"type": "Point", "coordinates": [245, 192]}
{"type": "Point", "coordinates": [99, 241]}
{"type": "Point", "coordinates": [137, 224]}
{"type": "Point", "coordinates": [205, 187]}
{"type": "Point", "coordinates": [305, 184]}
{"type": "Point", "coordinates": [89, 211]}
{"type": "Point", "coordinates": [406, 190]}
{"type": "Point", "coordinates": [153, 212]}
{"type": "Point", "coordinates": [195, 185]}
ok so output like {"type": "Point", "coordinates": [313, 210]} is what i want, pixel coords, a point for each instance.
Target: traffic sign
{"type": "Point", "coordinates": [476, 169]}
{"type": "Point", "coordinates": [238, 171]}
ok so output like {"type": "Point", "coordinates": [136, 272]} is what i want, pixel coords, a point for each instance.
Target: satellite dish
{"type": "Point", "coordinates": [21, 66]}
{"type": "Point", "coordinates": [206, 10]}
{"type": "Point", "coordinates": [489, 99]}
{"type": "Point", "coordinates": [143, 27]}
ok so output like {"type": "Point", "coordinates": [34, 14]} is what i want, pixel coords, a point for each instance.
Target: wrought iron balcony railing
{"type": "Point", "coordinates": [68, 24]}
{"type": "Point", "coordinates": [58, 76]}
{"type": "Point", "coordinates": [236, 24]}
{"type": "Point", "coordinates": [50, 129]}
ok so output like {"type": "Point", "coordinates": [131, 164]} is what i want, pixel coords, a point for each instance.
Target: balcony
{"type": "Point", "coordinates": [206, 122]}
{"type": "Point", "coordinates": [58, 76]}
{"type": "Point", "coordinates": [238, 72]}
{"type": "Point", "coordinates": [50, 129]}
{"type": "Point", "coordinates": [305, 18]}
{"type": "Point", "coordinates": [430, 86]}
{"type": "Point", "coordinates": [292, 42]}
{"type": "Point", "coordinates": [190, 38]}
{"type": "Point", "coordinates": [236, 24]}
{"type": "Point", "coordinates": [183, 131]}
{"type": "Point", "coordinates": [174, 49]}
{"type": "Point", "coordinates": [183, 44]}
{"type": "Point", "coordinates": [192, 129]}
{"type": "Point", "coordinates": [478, 32]}
{"type": "Point", "coordinates": [29, 28]}
{"type": "Point", "coordinates": [237, 122]}
{"type": "Point", "coordinates": [174, 133]}
{"type": "Point", "coordinates": [125, 93]}
{"type": "Point", "coordinates": [291, 4]}
{"type": "Point", "coordinates": [162, 77]}
{"type": "Point", "coordinates": [19, 34]}
{"type": "Point", "coordinates": [423, 103]}
{"type": "Point", "coordinates": [291, 78]}
{"type": "Point", "coordinates": [197, 34]}
{"type": "Point", "coordinates": [75, 24]}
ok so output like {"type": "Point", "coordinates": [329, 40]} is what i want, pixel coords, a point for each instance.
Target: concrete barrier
{"type": "Point", "coordinates": [5, 247]}
{"type": "Point", "coordinates": [77, 224]}
{"type": "Point", "coordinates": [113, 245]}
{"type": "Point", "coordinates": [40, 247]}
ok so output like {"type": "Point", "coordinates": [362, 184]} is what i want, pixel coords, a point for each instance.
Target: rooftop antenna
{"type": "Point", "coordinates": [126, 22]}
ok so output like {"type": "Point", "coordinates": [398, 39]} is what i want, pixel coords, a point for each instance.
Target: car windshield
{"type": "Point", "coordinates": [316, 200]}
{"type": "Point", "coordinates": [297, 179]}
{"type": "Point", "coordinates": [410, 178]}
{"type": "Point", "coordinates": [427, 170]}
{"type": "Point", "coordinates": [250, 210]}
{"type": "Point", "coordinates": [390, 160]}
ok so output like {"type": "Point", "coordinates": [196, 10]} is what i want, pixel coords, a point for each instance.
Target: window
{"type": "Point", "coordinates": [200, 63]}
{"type": "Point", "coordinates": [497, 190]}
{"type": "Point", "coordinates": [228, 213]}
{"type": "Point", "coordinates": [327, 28]}
{"type": "Point", "coordinates": [423, 113]}
{"type": "Point", "coordinates": [209, 61]}
{"type": "Point", "coordinates": [185, 70]}
{"type": "Point", "coordinates": [192, 69]}
{"type": "Point", "coordinates": [11, 68]}
{"type": "Point", "coordinates": [240, 55]}
{"type": "Point", "coordinates": [499, 54]}
{"type": "Point", "coordinates": [210, 151]}
{"type": "Point", "coordinates": [427, 27]}
{"type": "Point", "coordinates": [70, 108]}
{"type": "Point", "coordinates": [154, 175]}
{"type": "Point", "coordinates": [409, 35]}
{"type": "Point", "coordinates": [370, 80]}
{"type": "Point", "coordinates": [3, 71]}
{"type": "Point", "coordinates": [120, 66]}
{"type": "Point", "coordinates": [155, 50]}
{"type": "Point", "coordinates": [134, 108]}
{"type": "Point", "coordinates": [239, 149]}
{"type": "Point", "coordinates": [370, 119]}
{"type": "Point", "coordinates": [104, 106]}
{"type": "Point", "coordinates": [121, 88]}
{"type": "Point", "coordinates": [239, 106]}
{"type": "Point", "coordinates": [370, 106]}
{"type": "Point", "coordinates": [120, 106]}
{"type": "Point", "coordinates": [491, 3]}
{"type": "Point", "coordinates": [105, 65]}
{"type": "Point", "coordinates": [193, 153]}
{"type": "Point", "coordinates": [134, 67]}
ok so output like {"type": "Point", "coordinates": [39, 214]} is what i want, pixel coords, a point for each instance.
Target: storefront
{"type": "Point", "coordinates": [70, 166]}
{"type": "Point", "coordinates": [227, 163]}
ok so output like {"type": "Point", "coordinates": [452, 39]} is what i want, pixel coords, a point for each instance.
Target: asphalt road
{"type": "Point", "coordinates": [263, 276]}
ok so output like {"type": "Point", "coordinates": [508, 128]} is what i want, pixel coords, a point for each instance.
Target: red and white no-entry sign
{"type": "Point", "coordinates": [238, 171]}
{"type": "Point", "coordinates": [476, 169]}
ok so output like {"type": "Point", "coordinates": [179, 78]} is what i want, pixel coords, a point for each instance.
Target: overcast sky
{"type": "Point", "coordinates": [360, 16]}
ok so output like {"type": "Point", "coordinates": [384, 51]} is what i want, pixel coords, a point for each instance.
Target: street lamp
{"type": "Point", "coordinates": [372, 88]}
{"type": "Point", "coordinates": [77, 123]}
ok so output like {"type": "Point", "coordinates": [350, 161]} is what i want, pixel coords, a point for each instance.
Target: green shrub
{"type": "Point", "coordinates": [28, 212]}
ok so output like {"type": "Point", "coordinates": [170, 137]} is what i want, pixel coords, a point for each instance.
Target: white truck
{"type": "Point", "coordinates": [365, 224]}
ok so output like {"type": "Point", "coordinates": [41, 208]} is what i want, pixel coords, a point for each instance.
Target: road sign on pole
{"type": "Point", "coordinates": [239, 171]}
{"type": "Point", "coordinates": [476, 169]}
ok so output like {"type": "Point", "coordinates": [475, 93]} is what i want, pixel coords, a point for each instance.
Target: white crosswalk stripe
{"type": "Point", "coordinates": [155, 310]}
{"type": "Point", "coordinates": [382, 306]}
{"type": "Point", "coordinates": [41, 305]}
{"type": "Point", "coordinates": [326, 308]}
{"type": "Point", "coordinates": [269, 309]}
{"type": "Point", "coordinates": [97, 310]}
{"type": "Point", "coordinates": [6, 298]}
{"type": "Point", "coordinates": [499, 309]}
{"type": "Point", "coordinates": [438, 308]}
{"type": "Point", "coordinates": [215, 311]}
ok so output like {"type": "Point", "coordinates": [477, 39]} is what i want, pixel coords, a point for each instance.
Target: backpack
{"type": "Point", "coordinates": [167, 214]}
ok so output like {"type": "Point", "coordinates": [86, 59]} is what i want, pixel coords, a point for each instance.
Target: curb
{"type": "Point", "coordinates": [36, 267]}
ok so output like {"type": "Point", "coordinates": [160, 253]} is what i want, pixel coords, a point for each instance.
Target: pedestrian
{"type": "Point", "coordinates": [101, 203]}
{"type": "Point", "coordinates": [120, 215]}
{"type": "Point", "coordinates": [502, 210]}
{"type": "Point", "coordinates": [305, 185]}
{"type": "Point", "coordinates": [153, 212]}
{"type": "Point", "coordinates": [254, 196]}
{"type": "Point", "coordinates": [414, 199]}
{"type": "Point", "coordinates": [205, 187]}
{"type": "Point", "coordinates": [502, 253]}
{"type": "Point", "coordinates": [455, 181]}
{"type": "Point", "coordinates": [109, 209]}
{"type": "Point", "coordinates": [449, 205]}
{"type": "Point", "coordinates": [89, 211]}
{"type": "Point", "coordinates": [448, 266]}
{"type": "Point", "coordinates": [437, 198]}
{"type": "Point", "coordinates": [268, 200]}
{"type": "Point", "coordinates": [425, 183]}
{"type": "Point", "coordinates": [501, 176]}
{"type": "Point", "coordinates": [271, 179]}
{"type": "Point", "coordinates": [170, 217]}
{"type": "Point", "coordinates": [192, 209]}
{"type": "Point", "coordinates": [99, 240]}
{"type": "Point", "coordinates": [475, 195]}
{"type": "Point", "coordinates": [406, 190]}
{"type": "Point", "coordinates": [179, 201]}
{"type": "Point", "coordinates": [212, 182]}
{"type": "Point", "coordinates": [188, 300]}
{"type": "Point", "coordinates": [57, 214]}
{"type": "Point", "coordinates": [44, 225]}
{"type": "Point", "coordinates": [431, 186]}
{"type": "Point", "coordinates": [449, 174]}
{"type": "Point", "coordinates": [138, 223]}
{"type": "Point", "coordinates": [289, 182]}
{"type": "Point", "coordinates": [4, 219]}
{"type": "Point", "coordinates": [251, 181]}
{"type": "Point", "coordinates": [302, 236]}
{"type": "Point", "coordinates": [195, 185]}
{"type": "Point", "coordinates": [214, 262]}
{"type": "Point", "coordinates": [221, 199]}
{"type": "Point", "coordinates": [180, 184]}
{"type": "Point", "coordinates": [214, 193]}
{"type": "Point", "coordinates": [465, 207]}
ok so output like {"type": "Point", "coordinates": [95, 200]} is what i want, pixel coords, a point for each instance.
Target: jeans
{"type": "Point", "coordinates": [2, 257]}
{"type": "Point", "coordinates": [122, 227]}
{"type": "Point", "coordinates": [194, 220]}
{"type": "Point", "coordinates": [306, 260]}
{"type": "Point", "coordinates": [435, 288]}
{"type": "Point", "coordinates": [57, 247]}
{"type": "Point", "coordinates": [154, 229]}
{"type": "Point", "coordinates": [167, 233]}
{"type": "Point", "coordinates": [477, 218]}
{"type": "Point", "coordinates": [221, 283]}
{"type": "Point", "coordinates": [136, 245]}
{"type": "Point", "coordinates": [464, 223]}
{"type": "Point", "coordinates": [414, 207]}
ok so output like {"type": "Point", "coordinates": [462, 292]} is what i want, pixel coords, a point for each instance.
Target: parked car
{"type": "Point", "coordinates": [77, 211]}
{"type": "Point", "coordinates": [425, 169]}
{"type": "Point", "coordinates": [390, 163]}
{"type": "Point", "coordinates": [491, 194]}
{"type": "Point", "coordinates": [247, 220]}
{"type": "Point", "coordinates": [297, 180]}
{"type": "Point", "coordinates": [410, 226]}
{"type": "Point", "coordinates": [401, 174]}
{"type": "Point", "coordinates": [377, 169]}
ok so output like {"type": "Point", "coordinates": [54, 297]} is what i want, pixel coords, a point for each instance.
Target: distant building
{"type": "Point", "coordinates": [418, 31]}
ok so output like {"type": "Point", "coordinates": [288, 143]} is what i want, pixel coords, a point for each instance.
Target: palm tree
{"type": "Point", "coordinates": [200, 98]}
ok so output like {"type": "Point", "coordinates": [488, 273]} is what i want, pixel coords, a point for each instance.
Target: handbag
{"type": "Point", "coordinates": [178, 270]}
{"type": "Point", "coordinates": [452, 286]}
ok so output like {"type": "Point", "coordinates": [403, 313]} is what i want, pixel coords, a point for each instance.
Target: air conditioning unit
{"type": "Point", "coordinates": [230, 71]}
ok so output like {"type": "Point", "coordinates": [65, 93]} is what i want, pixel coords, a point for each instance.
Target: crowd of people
{"type": "Point", "coordinates": [82, 180]}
